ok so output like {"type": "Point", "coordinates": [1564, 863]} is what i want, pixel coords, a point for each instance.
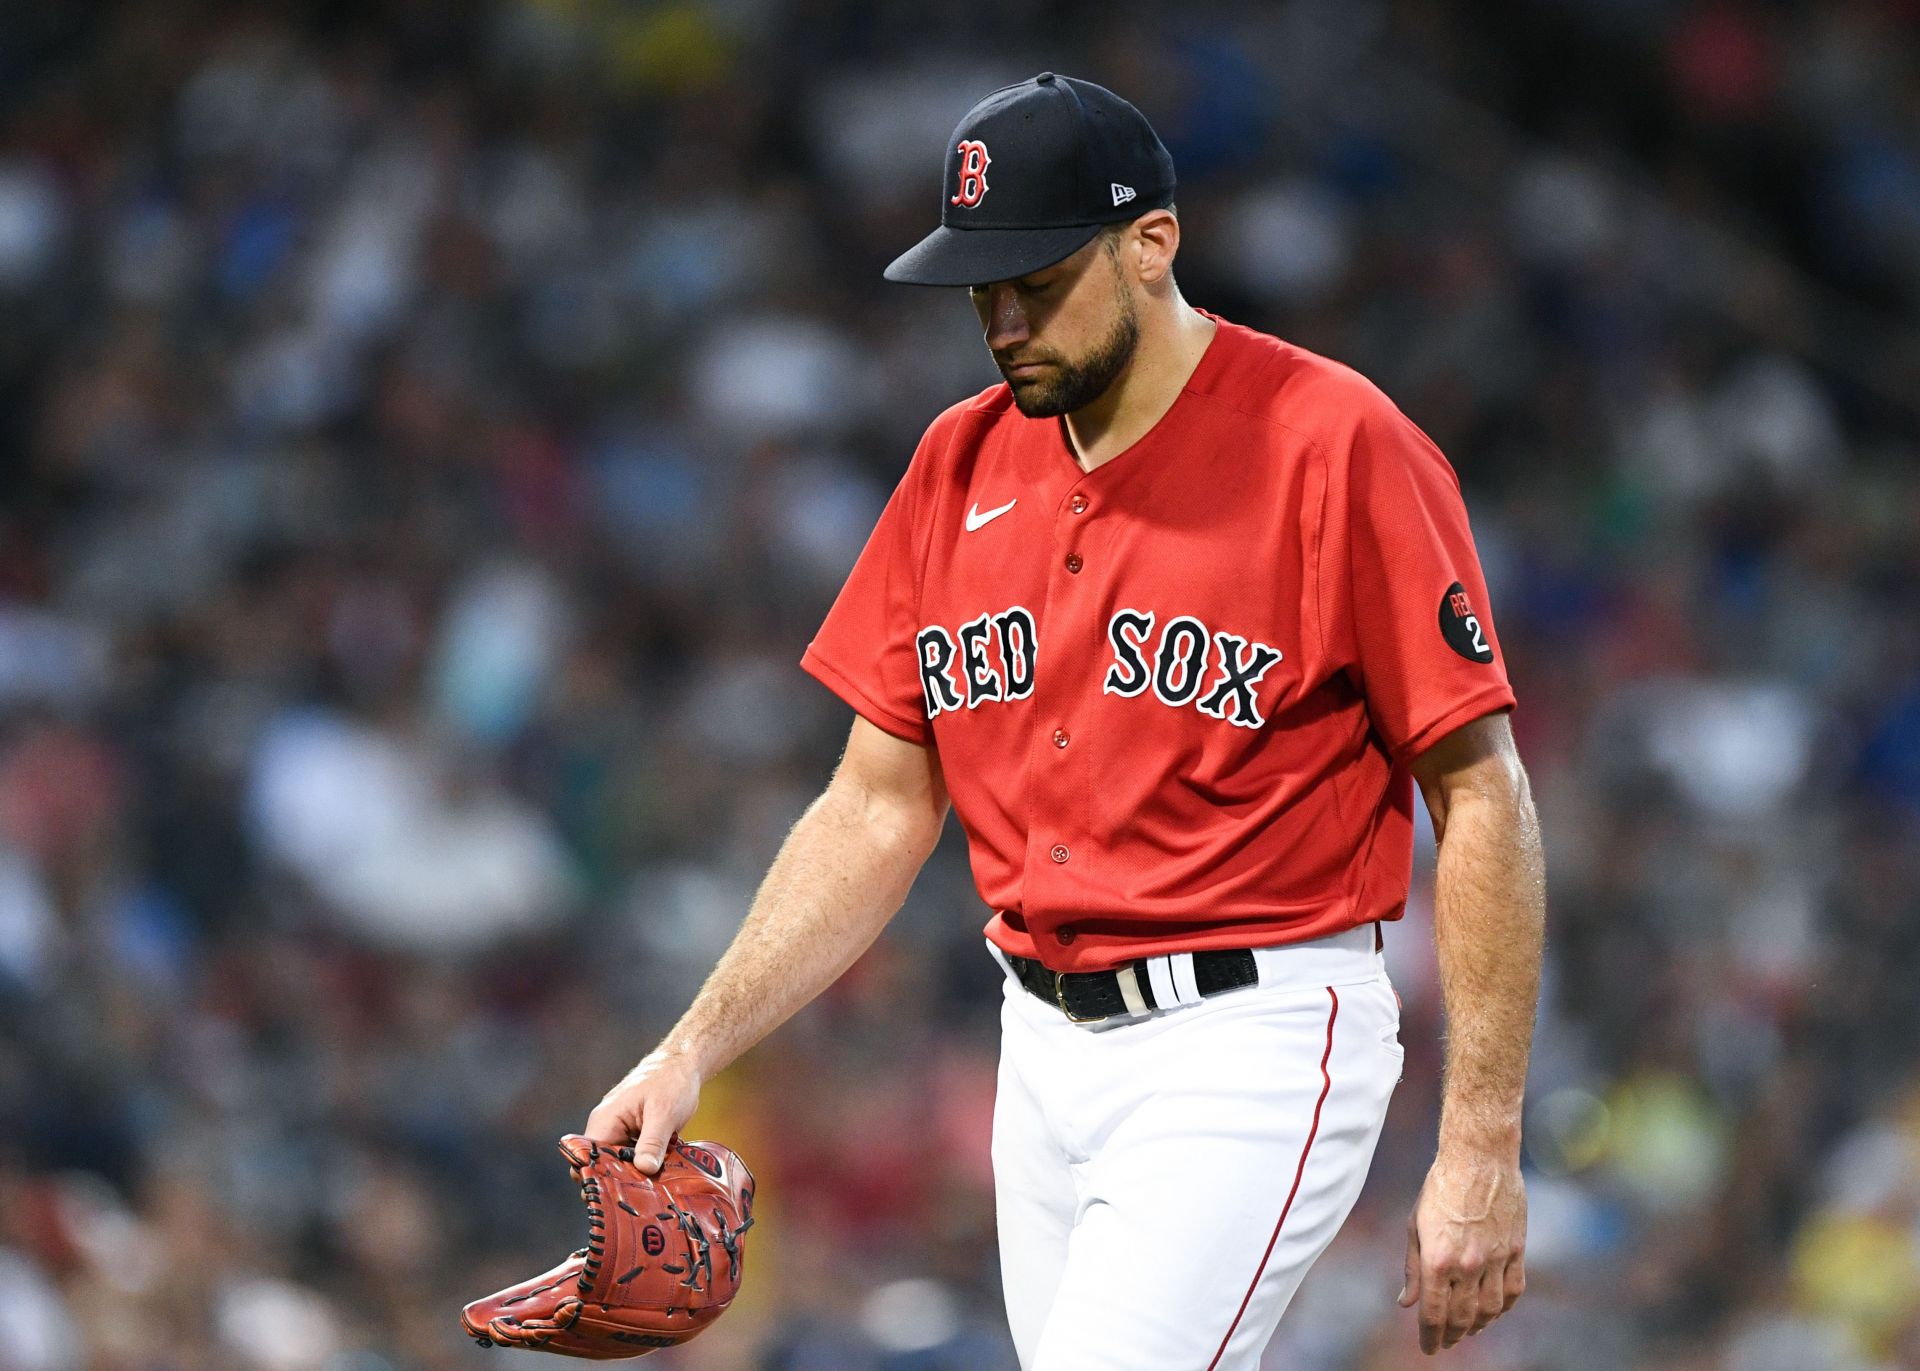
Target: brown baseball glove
{"type": "Point", "coordinates": [663, 1259]}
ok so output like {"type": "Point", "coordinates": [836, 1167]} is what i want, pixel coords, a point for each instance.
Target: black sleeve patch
{"type": "Point", "coordinates": [1460, 626]}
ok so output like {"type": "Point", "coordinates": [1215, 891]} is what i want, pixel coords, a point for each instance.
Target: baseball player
{"type": "Point", "coordinates": [1176, 618]}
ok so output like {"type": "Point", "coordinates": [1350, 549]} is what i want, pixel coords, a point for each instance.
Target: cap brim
{"type": "Point", "coordinates": [975, 257]}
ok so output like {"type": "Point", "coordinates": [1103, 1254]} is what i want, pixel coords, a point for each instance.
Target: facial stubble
{"type": "Point", "coordinates": [1073, 385]}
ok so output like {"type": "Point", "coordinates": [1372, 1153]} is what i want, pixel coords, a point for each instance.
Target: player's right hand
{"type": "Point", "coordinates": [647, 1107]}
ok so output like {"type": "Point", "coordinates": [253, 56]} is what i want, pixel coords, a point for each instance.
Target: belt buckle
{"type": "Point", "coordinates": [1060, 998]}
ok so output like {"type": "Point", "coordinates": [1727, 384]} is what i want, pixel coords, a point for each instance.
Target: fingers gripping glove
{"type": "Point", "coordinates": [663, 1259]}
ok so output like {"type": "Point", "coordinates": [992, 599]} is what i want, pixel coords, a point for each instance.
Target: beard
{"type": "Point", "coordinates": [1071, 385]}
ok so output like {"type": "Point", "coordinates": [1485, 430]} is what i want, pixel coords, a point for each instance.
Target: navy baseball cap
{"type": "Point", "coordinates": [1034, 171]}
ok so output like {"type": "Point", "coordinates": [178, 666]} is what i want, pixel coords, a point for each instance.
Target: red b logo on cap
{"type": "Point", "coordinates": [973, 172]}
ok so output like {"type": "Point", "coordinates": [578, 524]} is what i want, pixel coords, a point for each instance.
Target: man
{"type": "Point", "coordinates": [1178, 616]}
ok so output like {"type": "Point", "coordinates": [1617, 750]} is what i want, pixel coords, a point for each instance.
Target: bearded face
{"type": "Point", "coordinates": [1062, 384]}
{"type": "Point", "coordinates": [1061, 336]}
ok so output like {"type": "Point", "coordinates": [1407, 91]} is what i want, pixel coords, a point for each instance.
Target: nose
{"type": "Point", "coordinates": [1005, 320]}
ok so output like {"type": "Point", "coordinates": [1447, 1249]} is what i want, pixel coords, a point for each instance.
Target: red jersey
{"type": "Point", "coordinates": [1174, 698]}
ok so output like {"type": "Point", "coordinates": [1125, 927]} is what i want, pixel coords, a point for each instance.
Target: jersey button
{"type": "Point", "coordinates": [1074, 563]}
{"type": "Point", "coordinates": [1078, 504]}
{"type": "Point", "coordinates": [1061, 737]}
{"type": "Point", "coordinates": [1059, 853]}
{"type": "Point", "coordinates": [1065, 934]}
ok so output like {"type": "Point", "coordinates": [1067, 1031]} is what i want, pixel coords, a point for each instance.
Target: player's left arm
{"type": "Point", "coordinates": [1466, 1241]}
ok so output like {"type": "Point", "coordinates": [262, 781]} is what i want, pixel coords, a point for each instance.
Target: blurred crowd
{"type": "Point", "coordinates": [430, 431]}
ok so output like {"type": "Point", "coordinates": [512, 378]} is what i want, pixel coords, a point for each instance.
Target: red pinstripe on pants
{"type": "Point", "coordinates": [1326, 1085]}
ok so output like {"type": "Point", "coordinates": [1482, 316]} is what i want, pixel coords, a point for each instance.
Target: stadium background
{"type": "Point", "coordinates": [429, 433]}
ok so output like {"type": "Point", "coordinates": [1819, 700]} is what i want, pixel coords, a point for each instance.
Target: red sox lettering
{"type": "Point", "coordinates": [1017, 644]}
{"type": "Point", "coordinates": [956, 671]}
{"type": "Point", "coordinates": [1180, 663]}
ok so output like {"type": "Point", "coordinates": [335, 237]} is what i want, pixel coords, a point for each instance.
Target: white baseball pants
{"type": "Point", "coordinates": [1163, 1182]}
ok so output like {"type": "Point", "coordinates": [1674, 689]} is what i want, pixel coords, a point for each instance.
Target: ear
{"type": "Point", "coordinates": [1152, 241]}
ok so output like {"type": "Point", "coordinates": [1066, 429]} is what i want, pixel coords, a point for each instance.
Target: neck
{"type": "Point", "coordinates": [1173, 337]}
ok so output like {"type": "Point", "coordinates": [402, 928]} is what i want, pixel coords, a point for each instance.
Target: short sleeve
{"type": "Point", "coordinates": [1418, 625]}
{"type": "Point", "coordinates": [865, 650]}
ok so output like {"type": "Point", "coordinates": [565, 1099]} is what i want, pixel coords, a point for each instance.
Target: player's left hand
{"type": "Point", "coordinates": [1466, 1244]}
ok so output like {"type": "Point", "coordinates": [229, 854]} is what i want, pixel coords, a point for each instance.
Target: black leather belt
{"type": "Point", "coordinates": [1089, 996]}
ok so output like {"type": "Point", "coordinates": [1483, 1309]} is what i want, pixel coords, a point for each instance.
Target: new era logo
{"type": "Point", "coordinates": [1121, 194]}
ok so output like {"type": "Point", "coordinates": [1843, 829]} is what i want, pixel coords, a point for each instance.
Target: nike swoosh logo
{"type": "Point", "coordinates": [975, 518]}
